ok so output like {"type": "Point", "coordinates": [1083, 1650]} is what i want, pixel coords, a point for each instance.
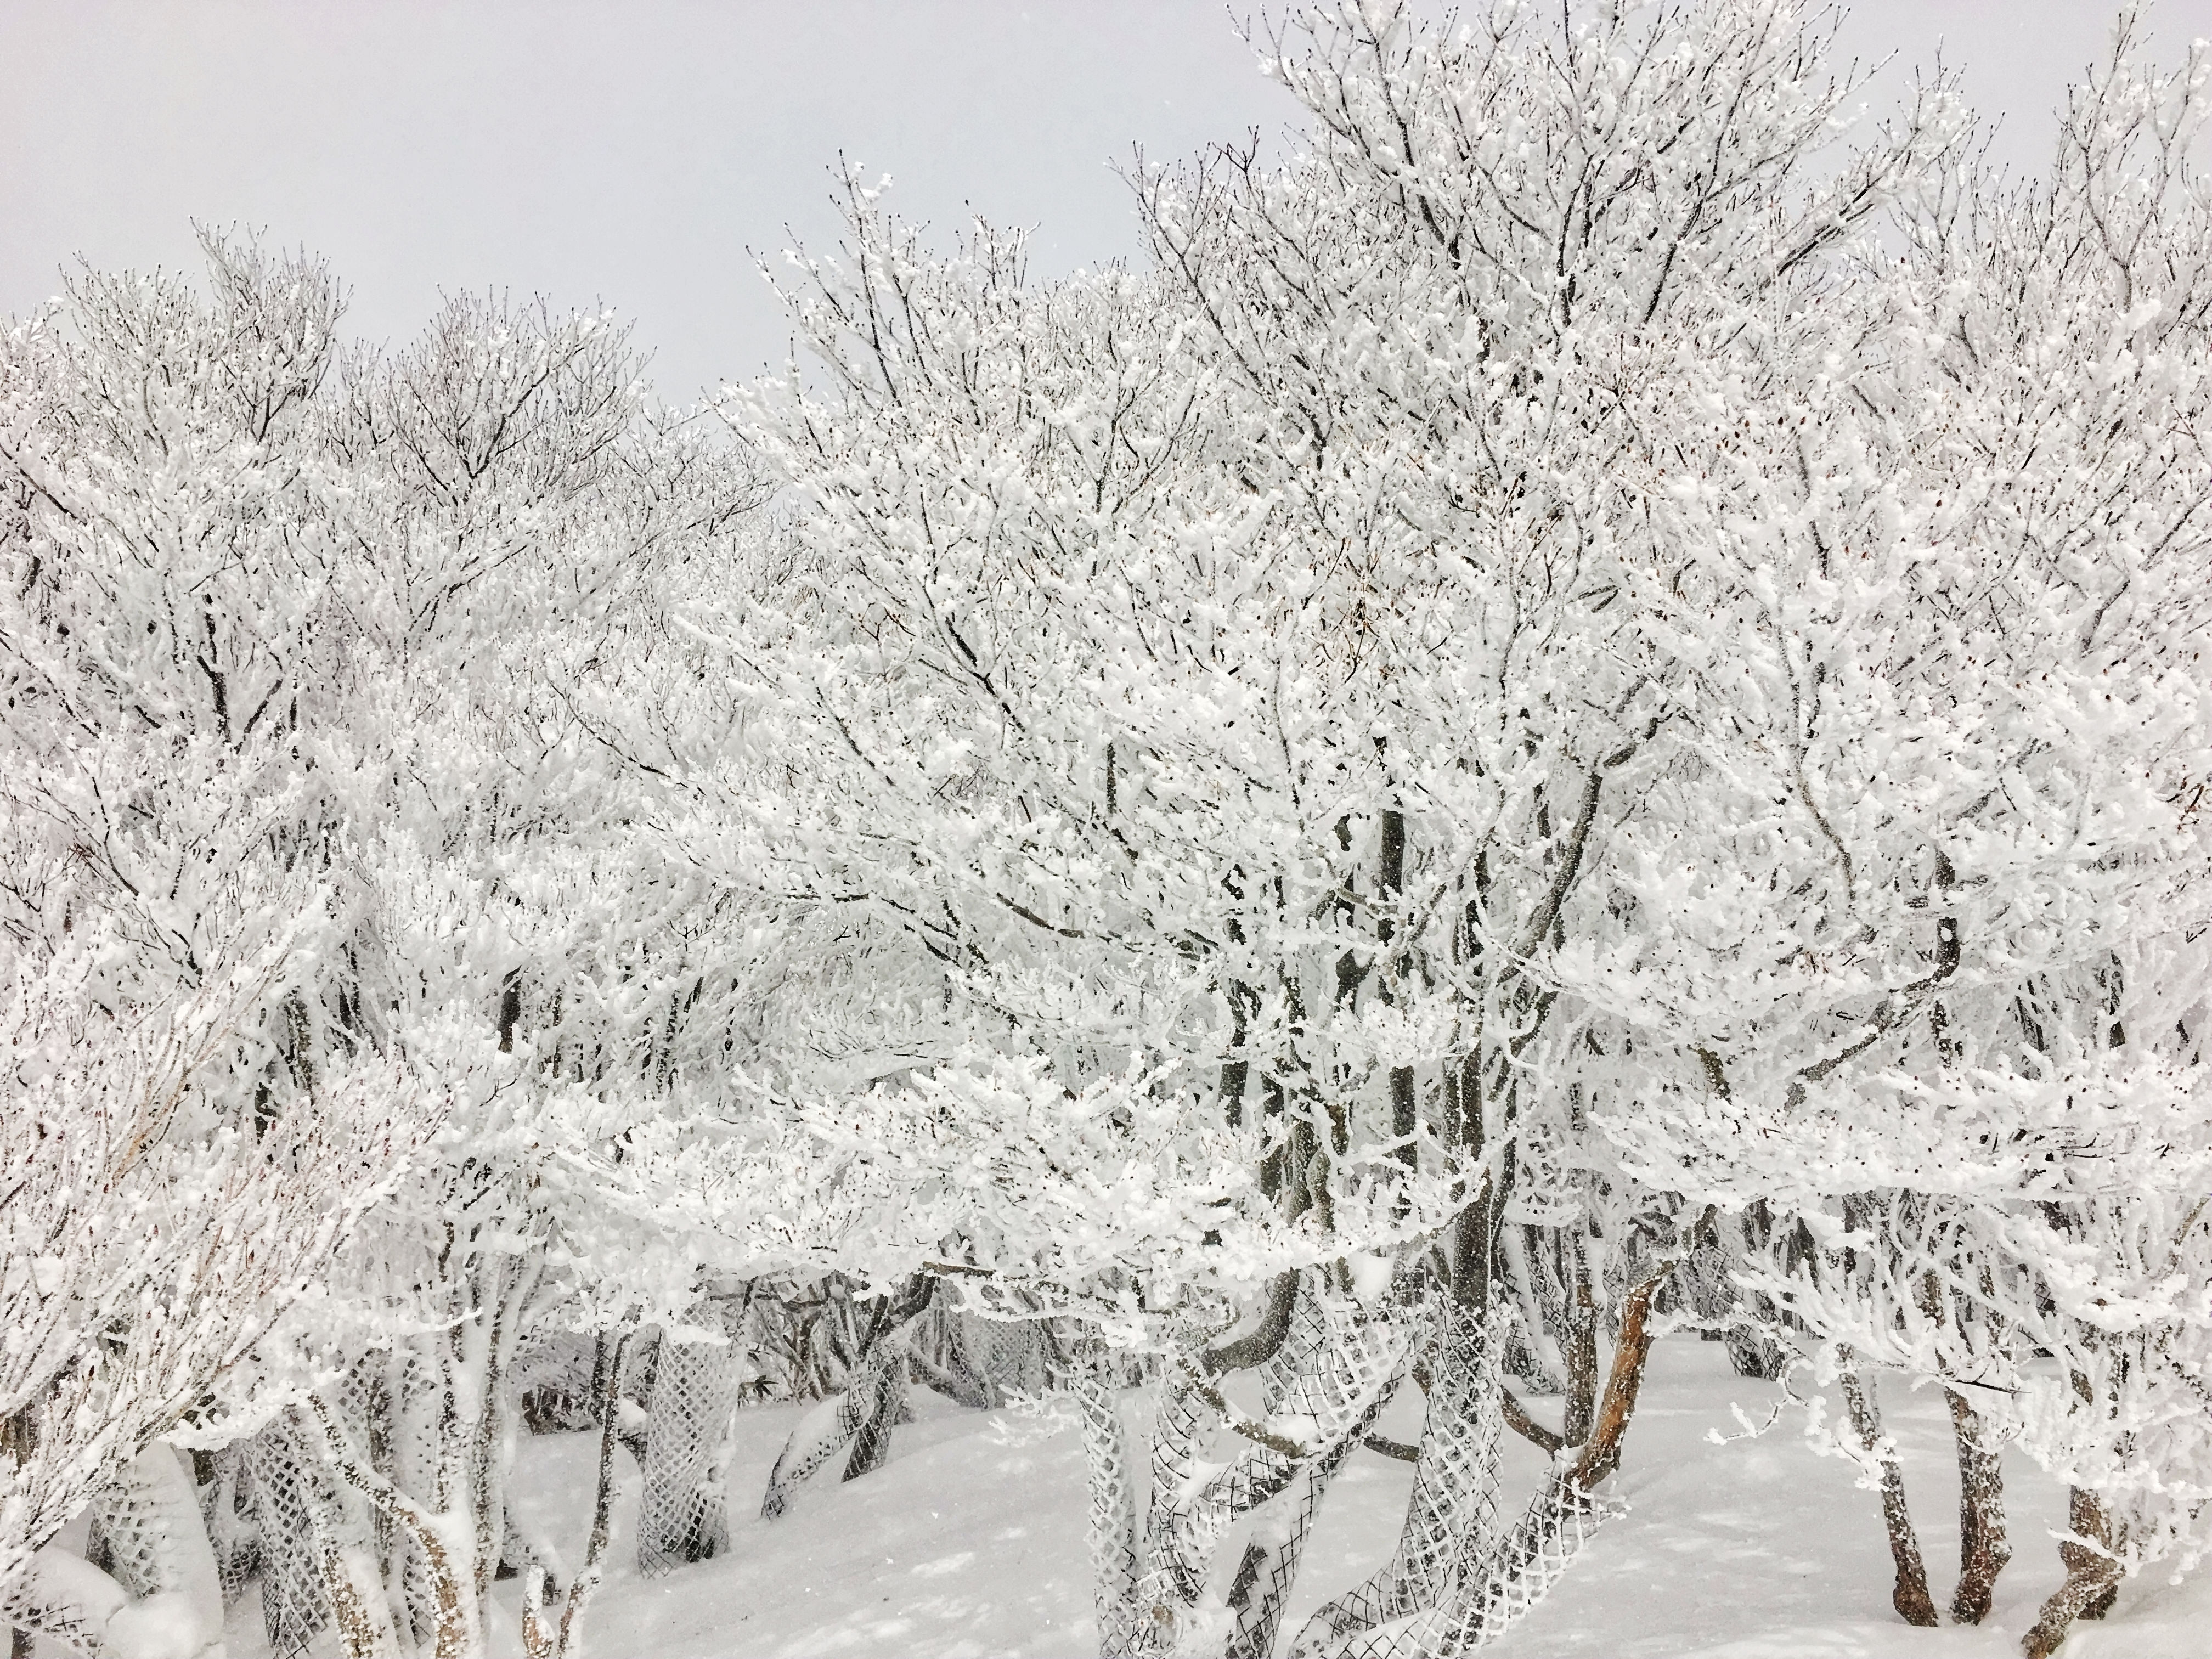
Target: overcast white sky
{"type": "Point", "coordinates": [631, 152]}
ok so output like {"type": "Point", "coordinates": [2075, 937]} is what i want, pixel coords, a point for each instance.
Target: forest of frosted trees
{"type": "Point", "coordinates": [1575, 717]}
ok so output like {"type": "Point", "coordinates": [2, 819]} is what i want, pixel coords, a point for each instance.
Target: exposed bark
{"type": "Point", "coordinates": [1517, 1418]}
{"type": "Point", "coordinates": [18, 1442]}
{"type": "Point", "coordinates": [644, 1373]}
{"type": "Point", "coordinates": [1261, 1344]}
{"type": "Point", "coordinates": [1391, 881]}
{"type": "Point", "coordinates": [2092, 1576]}
{"type": "Point", "coordinates": [1910, 1594]}
{"type": "Point", "coordinates": [1601, 1452]}
{"type": "Point", "coordinates": [1383, 1446]}
{"type": "Point", "coordinates": [1983, 1549]}
{"type": "Point", "coordinates": [453, 1583]}
{"type": "Point", "coordinates": [359, 1607]}
{"type": "Point", "coordinates": [1473, 1241]}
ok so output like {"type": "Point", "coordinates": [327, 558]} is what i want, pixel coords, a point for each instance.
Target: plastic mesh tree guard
{"type": "Point", "coordinates": [940, 1356]}
{"type": "Point", "coordinates": [882, 1401]}
{"type": "Point", "coordinates": [550, 1379]}
{"type": "Point", "coordinates": [295, 1505]}
{"type": "Point", "coordinates": [1006, 1356]}
{"type": "Point", "coordinates": [35, 1605]}
{"type": "Point", "coordinates": [1703, 1288]}
{"type": "Point", "coordinates": [327, 1558]}
{"type": "Point", "coordinates": [1123, 1631]}
{"type": "Point", "coordinates": [861, 1416]}
{"type": "Point", "coordinates": [1529, 1561]}
{"type": "Point", "coordinates": [1457, 1583]}
{"type": "Point", "coordinates": [227, 1508]}
{"type": "Point", "coordinates": [1320, 1392]}
{"type": "Point", "coordinates": [695, 1394]}
{"type": "Point", "coordinates": [393, 1406]}
{"type": "Point", "coordinates": [147, 1530]}
{"type": "Point", "coordinates": [1336, 1365]}
{"type": "Point", "coordinates": [1452, 1514]}
{"type": "Point", "coordinates": [1271, 1559]}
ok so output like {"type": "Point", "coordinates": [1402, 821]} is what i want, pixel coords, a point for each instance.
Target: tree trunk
{"type": "Point", "coordinates": [872, 1438]}
{"type": "Point", "coordinates": [442, 1536]}
{"type": "Point", "coordinates": [567, 1640]}
{"type": "Point", "coordinates": [160, 1592]}
{"type": "Point", "coordinates": [1984, 1548]}
{"type": "Point", "coordinates": [2092, 1577]}
{"type": "Point", "coordinates": [1580, 1348]}
{"type": "Point", "coordinates": [861, 1417]}
{"type": "Point", "coordinates": [1328, 1364]}
{"type": "Point", "coordinates": [683, 1516]}
{"type": "Point", "coordinates": [1532, 1352]}
{"type": "Point", "coordinates": [1910, 1596]}
{"type": "Point", "coordinates": [1631, 1354]}
{"type": "Point", "coordinates": [1451, 1517]}
{"type": "Point", "coordinates": [1752, 1352]}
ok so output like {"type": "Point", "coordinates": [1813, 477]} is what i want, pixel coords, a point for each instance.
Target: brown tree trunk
{"type": "Point", "coordinates": [2093, 1577]}
{"type": "Point", "coordinates": [1601, 1452]}
{"type": "Point", "coordinates": [1984, 1548]}
{"type": "Point", "coordinates": [1910, 1596]}
{"type": "Point", "coordinates": [455, 1611]}
{"type": "Point", "coordinates": [1473, 1235]}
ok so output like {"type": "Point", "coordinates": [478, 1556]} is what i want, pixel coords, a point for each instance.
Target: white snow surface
{"type": "Point", "coordinates": [965, 1547]}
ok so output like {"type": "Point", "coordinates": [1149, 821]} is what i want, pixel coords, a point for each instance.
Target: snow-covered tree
{"type": "Point", "coordinates": [179, 1173]}
{"type": "Point", "coordinates": [294, 662]}
{"type": "Point", "coordinates": [1205, 707]}
{"type": "Point", "coordinates": [1913, 965]}
{"type": "Point", "coordinates": [1578, 708]}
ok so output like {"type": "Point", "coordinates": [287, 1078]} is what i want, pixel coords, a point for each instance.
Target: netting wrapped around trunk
{"type": "Point", "coordinates": [226, 1506]}
{"type": "Point", "coordinates": [296, 1501]}
{"type": "Point", "coordinates": [393, 1404]}
{"type": "Point", "coordinates": [1341, 1376]}
{"type": "Point", "coordinates": [695, 1394]}
{"type": "Point", "coordinates": [983, 1362]}
{"type": "Point", "coordinates": [147, 1531]}
{"type": "Point", "coordinates": [1271, 1559]}
{"type": "Point", "coordinates": [1457, 1583]}
{"type": "Point", "coordinates": [1011, 1356]}
{"type": "Point", "coordinates": [861, 1417]}
{"type": "Point", "coordinates": [1124, 1628]}
{"type": "Point", "coordinates": [1452, 1515]}
{"type": "Point", "coordinates": [1335, 1366]}
{"type": "Point", "coordinates": [1320, 1392]}
{"type": "Point", "coordinates": [1530, 1559]}
{"type": "Point", "coordinates": [334, 1570]}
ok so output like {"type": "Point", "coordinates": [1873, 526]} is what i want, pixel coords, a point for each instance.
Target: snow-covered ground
{"type": "Point", "coordinates": [969, 1543]}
